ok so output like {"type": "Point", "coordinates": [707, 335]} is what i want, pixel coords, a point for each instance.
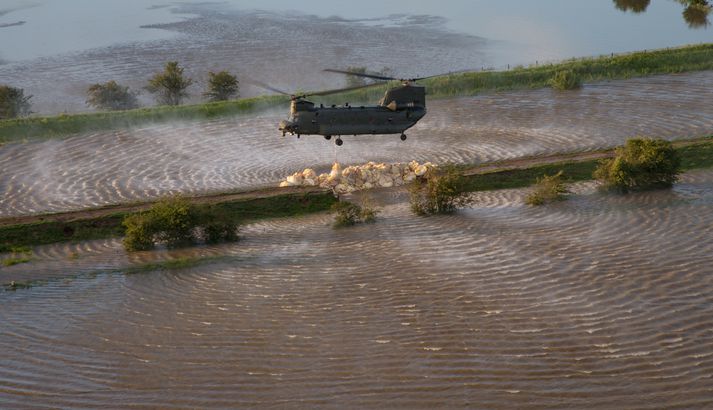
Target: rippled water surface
{"type": "Point", "coordinates": [598, 302]}
{"type": "Point", "coordinates": [247, 152]}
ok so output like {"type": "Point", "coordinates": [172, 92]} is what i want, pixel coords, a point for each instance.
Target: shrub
{"type": "Point", "coordinates": [139, 232]}
{"type": "Point", "coordinates": [176, 222]}
{"type": "Point", "coordinates": [170, 85]}
{"type": "Point", "coordinates": [13, 102]}
{"type": "Point", "coordinates": [111, 96]}
{"type": "Point", "coordinates": [173, 220]}
{"type": "Point", "coordinates": [641, 164]}
{"type": "Point", "coordinates": [221, 86]}
{"type": "Point", "coordinates": [217, 225]}
{"type": "Point", "coordinates": [439, 193]}
{"type": "Point", "coordinates": [549, 188]}
{"type": "Point", "coordinates": [566, 80]}
{"type": "Point", "coordinates": [349, 214]}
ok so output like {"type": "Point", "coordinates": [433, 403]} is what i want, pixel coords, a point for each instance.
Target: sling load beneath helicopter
{"type": "Point", "coordinates": [399, 109]}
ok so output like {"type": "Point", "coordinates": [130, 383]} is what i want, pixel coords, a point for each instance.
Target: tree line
{"type": "Point", "coordinates": [169, 87]}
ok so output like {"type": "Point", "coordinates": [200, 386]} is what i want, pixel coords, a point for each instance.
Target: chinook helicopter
{"type": "Point", "coordinates": [399, 110]}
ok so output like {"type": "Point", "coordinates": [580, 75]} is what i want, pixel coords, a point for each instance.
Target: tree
{"type": "Point", "coordinates": [222, 86]}
{"type": "Point", "coordinates": [111, 96]}
{"type": "Point", "coordinates": [641, 164]}
{"type": "Point", "coordinates": [440, 192]}
{"type": "Point", "coordinates": [549, 188]}
{"type": "Point", "coordinates": [176, 222]}
{"type": "Point", "coordinates": [13, 102]}
{"type": "Point", "coordinates": [169, 85]}
{"type": "Point", "coordinates": [636, 6]}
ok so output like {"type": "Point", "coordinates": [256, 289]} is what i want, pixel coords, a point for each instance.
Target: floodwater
{"type": "Point", "coordinates": [247, 152]}
{"type": "Point", "coordinates": [84, 42]}
{"type": "Point", "coordinates": [598, 302]}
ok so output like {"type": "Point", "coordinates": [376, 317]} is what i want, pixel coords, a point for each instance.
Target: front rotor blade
{"type": "Point", "coordinates": [268, 87]}
{"type": "Point", "coordinates": [374, 76]}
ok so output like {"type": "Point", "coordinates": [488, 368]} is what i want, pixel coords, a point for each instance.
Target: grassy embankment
{"type": "Point", "coordinates": [665, 61]}
{"type": "Point", "coordinates": [699, 154]}
{"type": "Point", "coordinates": [42, 233]}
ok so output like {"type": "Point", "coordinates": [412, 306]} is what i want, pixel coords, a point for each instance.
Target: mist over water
{"type": "Point", "coordinates": [247, 152]}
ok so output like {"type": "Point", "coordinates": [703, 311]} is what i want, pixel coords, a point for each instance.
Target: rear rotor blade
{"type": "Point", "coordinates": [339, 90]}
{"type": "Point", "coordinates": [374, 76]}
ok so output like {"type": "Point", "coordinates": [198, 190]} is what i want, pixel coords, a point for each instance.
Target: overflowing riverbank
{"type": "Point", "coordinates": [106, 222]}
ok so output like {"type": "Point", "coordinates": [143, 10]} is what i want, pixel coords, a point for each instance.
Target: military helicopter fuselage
{"type": "Point", "coordinates": [399, 110]}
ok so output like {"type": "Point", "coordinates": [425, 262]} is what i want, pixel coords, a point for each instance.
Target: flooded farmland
{"type": "Point", "coordinates": [600, 302]}
{"type": "Point", "coordinates": [247, 152]}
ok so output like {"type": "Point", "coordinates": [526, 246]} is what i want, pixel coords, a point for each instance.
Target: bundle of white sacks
{"type": "Point", "coordinates": [357, 177]}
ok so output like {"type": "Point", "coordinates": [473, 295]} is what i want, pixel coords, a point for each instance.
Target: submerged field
{"type": "Point", "coordinates": [638, 64]}
{"type": "Point", "coordinates": [601, 301]}
{"type": "Point", "coordinates": [102, 168]}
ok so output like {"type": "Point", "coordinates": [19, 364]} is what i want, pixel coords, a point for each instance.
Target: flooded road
{"type": "Point", "coordinates": [247, 152]}
{"type": "Point", "coordinates": [597, 302]}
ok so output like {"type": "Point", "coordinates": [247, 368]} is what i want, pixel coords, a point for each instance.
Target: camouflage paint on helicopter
{"type": "Point", "coordinates": [399, 110]}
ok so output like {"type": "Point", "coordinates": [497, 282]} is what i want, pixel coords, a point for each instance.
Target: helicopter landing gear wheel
{"type": "Point", "coordinates": [328, 137]}
{"type": "Point", "coordinates": [403, 137]}
{"type": "Point", "coordinates": [339, 142]}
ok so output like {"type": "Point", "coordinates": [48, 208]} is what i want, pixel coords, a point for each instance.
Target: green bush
{"type": "Point", "coordinates": [170, 85]}
{"type": "Point", "coordinates": [348, 214]}
{"type": "Point", "coordinates": [222, 86]}
{"type": "Point", "coordinates": [111, 96]}
{"type": "Point", "coordinates": [218, 226]}
{"type": "Point", "coordinates": [566, 80]}
{"type": "Point", "coordinates": [176, 222]}
{"type": "Point", "coordinates": [641, 164]}
{"type": "Point", "coordinates": [549, 188]}
{"type": "Point", "coordinates": [13, 102]}
{"type": "Point", "coordinates": [439, 193]}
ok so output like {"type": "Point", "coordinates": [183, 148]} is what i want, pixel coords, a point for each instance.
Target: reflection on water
{"type": "Point", "coordinates": [636, 6]}
{"type": "Point", "coordinates": [601, 301]}
{"type": "Point", "coordinates": [695, 13]}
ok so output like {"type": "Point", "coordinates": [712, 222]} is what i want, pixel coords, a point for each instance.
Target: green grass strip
{"type": "Point", "coordinates": [242, 211]}
{"type": "Point", "coordinates": [638, 64]}
{"type": "Point", "coordinates": [694, 156]}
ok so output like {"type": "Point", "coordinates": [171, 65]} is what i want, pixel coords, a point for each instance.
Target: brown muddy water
{"type": "Point", "coordinates": [601, 301]}
{"type": "Point", "coordinates": [247, 152]}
